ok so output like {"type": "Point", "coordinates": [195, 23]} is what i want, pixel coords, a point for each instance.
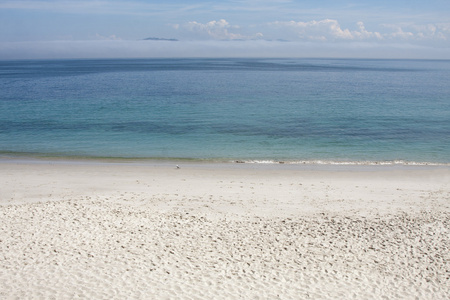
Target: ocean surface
{"type": "Point", "coordinates": [258, 110]}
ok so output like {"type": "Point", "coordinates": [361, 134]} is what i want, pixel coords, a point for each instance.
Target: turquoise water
{"type": "Point", "coordinates": [330, 110]}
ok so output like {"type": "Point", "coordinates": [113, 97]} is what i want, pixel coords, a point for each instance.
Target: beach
{"type": "Point", "coordinates": [152, 230]}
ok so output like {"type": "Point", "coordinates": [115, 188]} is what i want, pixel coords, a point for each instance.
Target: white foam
{"type": "Point", "coordinates": [344, 163]}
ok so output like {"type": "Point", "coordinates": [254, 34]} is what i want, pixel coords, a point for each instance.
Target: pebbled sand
{"type": "Point", "coordinates": [142, 231]}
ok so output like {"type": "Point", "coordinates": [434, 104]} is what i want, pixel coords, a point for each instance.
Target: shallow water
{"type": "Point", "coordinates": [320, 110]}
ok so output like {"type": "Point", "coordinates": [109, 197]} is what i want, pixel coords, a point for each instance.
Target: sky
{"type": "Point", "coordinates": [46, 29]}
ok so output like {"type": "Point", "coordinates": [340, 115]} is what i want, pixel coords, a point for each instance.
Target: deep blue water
{"type": "Point", "coordinates": [334, 110]}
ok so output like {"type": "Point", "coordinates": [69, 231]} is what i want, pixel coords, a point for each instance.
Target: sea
{"type": "Point", "coordinates": [322, 111]}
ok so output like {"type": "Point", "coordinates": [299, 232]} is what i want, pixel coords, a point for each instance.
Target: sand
{"type": "Point", "coordinates": [96, 230]}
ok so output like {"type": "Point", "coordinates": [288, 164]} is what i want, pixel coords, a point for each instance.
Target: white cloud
{"type": "Point", "coordinates": [329, 30]}
{"type": "Point", "coordinates": [325, 30]}
{"type": "Point", "coordinates": [217, 30]}
{"type": "Point", "coordinates": [214, 29]}
{"type": "Point", "coordinates": [364, 34]}
{"type": "Point", "coordinates": [398, 33]}
{"type": "Point", "coordinates": [438, 33]}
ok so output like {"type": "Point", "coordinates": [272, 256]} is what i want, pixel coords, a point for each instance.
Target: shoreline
{"type": "Point", "coordinates": [61, 179]}
{"type": "Point", "coordinates": [130, 230]}
{"type": "Point", "coordinates": [193, 161]}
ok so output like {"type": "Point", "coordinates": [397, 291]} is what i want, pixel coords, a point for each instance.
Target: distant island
{"type": "Point", "coordinates": [160, 39]}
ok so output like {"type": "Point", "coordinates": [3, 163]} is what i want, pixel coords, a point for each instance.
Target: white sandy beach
{"type": "Point", "coordinates": [223, 231]}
